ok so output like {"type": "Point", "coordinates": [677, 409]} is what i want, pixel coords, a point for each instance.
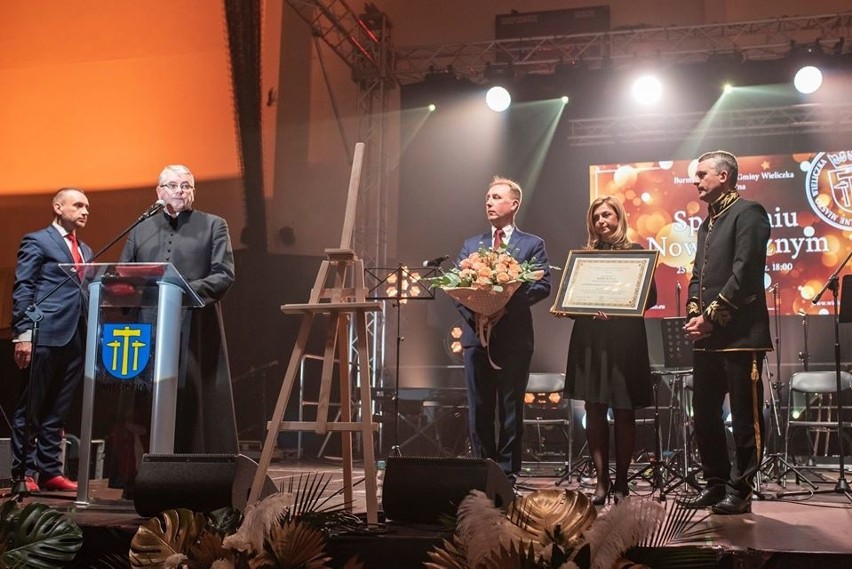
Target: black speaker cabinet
{"type": "Point", "coordinates": [200, 482]}
{"type": "Point", "coordinates": [421, 489]}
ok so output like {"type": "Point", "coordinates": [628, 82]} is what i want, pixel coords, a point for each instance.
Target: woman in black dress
{"type": "Point", "coordinates": [608, 362]}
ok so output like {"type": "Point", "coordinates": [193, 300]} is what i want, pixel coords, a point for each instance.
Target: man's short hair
{"type": "Point", "coordinates": [62, 191]}
{"type": "Point", "coordinates": [175, 169]}
{"type": "Point", "coordinates": [723, 161]}
{"type": "Point", "coordinates": [514, 188]}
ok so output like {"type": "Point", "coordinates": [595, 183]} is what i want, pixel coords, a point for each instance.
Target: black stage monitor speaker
{"type": "Point", "coordinates": [200, 482]}
{"type": "Point", "coordinates": [421, 489]}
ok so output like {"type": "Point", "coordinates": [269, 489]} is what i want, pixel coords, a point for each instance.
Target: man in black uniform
{"type": "Point", "coordinates": [728, 322]}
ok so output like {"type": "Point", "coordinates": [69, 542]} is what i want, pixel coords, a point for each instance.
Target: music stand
{"type": "Point", "coordinates": [840, 314]}
{"type": "Point", "coordinates": [677, 359]}
{"type": "Point", "coordinates": [399, 284]}
{"type": "Point", "coordinates": [775, 465]}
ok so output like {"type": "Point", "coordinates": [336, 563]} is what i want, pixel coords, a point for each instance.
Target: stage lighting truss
{"type": "Point", "coordinates": [754, 40]}
{"type": "Point", "coordinates": [795, 119]}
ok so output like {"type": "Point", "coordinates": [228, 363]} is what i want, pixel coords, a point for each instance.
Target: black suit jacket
{"type": "Point", "coordinates": [727, 277]}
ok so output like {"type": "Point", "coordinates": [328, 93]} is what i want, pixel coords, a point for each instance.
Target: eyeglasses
{"type": "Point", "coordinates": [174, 186]}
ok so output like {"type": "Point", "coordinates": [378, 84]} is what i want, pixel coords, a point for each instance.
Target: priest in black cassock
{"type": "Point", "coordinates": [199, 247]}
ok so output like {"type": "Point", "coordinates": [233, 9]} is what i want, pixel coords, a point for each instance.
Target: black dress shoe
{"type": "Point", "coordinates": [704, 499]}
{"type": "Point", "coordinates": [732, 505]}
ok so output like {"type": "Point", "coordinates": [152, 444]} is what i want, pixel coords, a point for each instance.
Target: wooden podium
{"type": "Point", "coordinates": [339, 292]}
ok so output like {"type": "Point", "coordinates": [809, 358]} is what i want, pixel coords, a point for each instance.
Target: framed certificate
{"type": "Point", "coordinates": [614, 282]}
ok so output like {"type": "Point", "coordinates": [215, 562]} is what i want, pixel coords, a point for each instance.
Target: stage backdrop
{"type": "Point", "coordinates": [807, 196]}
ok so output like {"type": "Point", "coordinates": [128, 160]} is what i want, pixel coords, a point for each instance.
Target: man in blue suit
{"type": "Point", "coordinates": [57, 357]}
{"type": "Point", "coordinates": [496, 375]}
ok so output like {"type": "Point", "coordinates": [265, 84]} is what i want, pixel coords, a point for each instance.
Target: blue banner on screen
{"type": "Point", "coordinates": [808, 198]}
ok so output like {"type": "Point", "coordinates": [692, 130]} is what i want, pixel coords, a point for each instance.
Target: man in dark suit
{"type": "Point", "coordinates": [728, 321]}
{"type": "Point", "coordinates": [57, 357]}
{"type": "Point", "coordinates": [497, 375]}
{"type": "Point", "coordinates": [199, 247]}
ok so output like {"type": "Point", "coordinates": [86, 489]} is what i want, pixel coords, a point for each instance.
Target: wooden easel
{"type": "Point", "coordinates": [331, 296]}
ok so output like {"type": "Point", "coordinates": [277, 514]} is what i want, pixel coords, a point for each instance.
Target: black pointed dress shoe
{"type": "Point", "coordinates": [704, 499]}
{"type": "Point", "coordinates": [732, 505]}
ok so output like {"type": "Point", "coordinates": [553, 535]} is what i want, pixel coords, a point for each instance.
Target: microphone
{"type": "Point", "coordinates": [773, 288]}
{"type": "Point", "coordinates": [436, 262]}
{"type": "Point", "coordinates": [155, 208]}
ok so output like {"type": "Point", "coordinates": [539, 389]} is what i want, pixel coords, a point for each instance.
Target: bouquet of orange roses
{"type": "Point", "coordinates": [484, 282]}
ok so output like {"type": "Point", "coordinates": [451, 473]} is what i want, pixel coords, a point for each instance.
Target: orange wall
{"type": "Point", "coordinates": [103, 93]}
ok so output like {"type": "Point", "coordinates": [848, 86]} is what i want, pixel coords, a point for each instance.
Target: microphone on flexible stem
{"type": "Point", "coordinates": [156, 207]}
{"type": "Point", "coordinates": [436, 262]}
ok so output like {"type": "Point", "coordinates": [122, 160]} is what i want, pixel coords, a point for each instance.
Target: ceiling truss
{"type": "Point", "coordinates": [726, 124]}
{"type": "Point", "coordinates": [757, 40]}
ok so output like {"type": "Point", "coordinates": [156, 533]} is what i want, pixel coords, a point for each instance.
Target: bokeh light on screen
{"type": "Point", "coordinates": [811, 225]}
{"type": "Point", "coordinates": [625, 176]}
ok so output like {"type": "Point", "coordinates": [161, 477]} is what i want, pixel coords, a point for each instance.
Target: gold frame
{"type": "Point", "coordinates": [589, 272]}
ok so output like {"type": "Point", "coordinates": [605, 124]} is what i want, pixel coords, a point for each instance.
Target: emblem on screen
{"type": "Point", "coordinates": [125, 349]}
{"type": "Point", "coordinates": [829, 188]}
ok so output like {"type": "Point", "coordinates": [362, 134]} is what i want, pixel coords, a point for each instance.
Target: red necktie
{"type": "Point", "coordinates": [498, 239]}
{"type": "Point", "coordinates": [75, 253]}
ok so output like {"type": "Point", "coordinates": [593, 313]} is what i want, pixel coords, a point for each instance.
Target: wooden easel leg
{"type": "Point", "coordinates": [345, 407]}
{"type": "Point", "coordinates": [273, 428]}
{"type": "Point", "coordinates": [370, 482]}
{"type": "Point", "coordinates": [324, 398]}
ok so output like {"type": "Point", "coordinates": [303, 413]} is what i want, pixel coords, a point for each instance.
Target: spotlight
{"type": "Point", "coordinates": [647, 90]}
{"type": "Point", "coordinates": [808, 80]}
{"type": "Point", "coordinates": [727, 88]}
{"type": "Point", "coordinates": [550, 400]}
{"type": "Point", "coordinates": [452, 342]}
{"type": "Point", "coordinates": [564, 99]}
{"type": "Point", "coordinates": [409, 286]}
{"type": "Point", "coordinates": [432, 107]}
{"type": "Point", "coordinates": [498, 99]}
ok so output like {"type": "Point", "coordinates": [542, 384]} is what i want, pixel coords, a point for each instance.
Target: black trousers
{"type": "Point", "coordinates": [717, 374]}
{"type": "Point", "coordinates": [497, 396]}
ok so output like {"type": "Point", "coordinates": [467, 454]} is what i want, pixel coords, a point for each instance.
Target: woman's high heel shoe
{"type": "Point", "coordinates": [600, 499]}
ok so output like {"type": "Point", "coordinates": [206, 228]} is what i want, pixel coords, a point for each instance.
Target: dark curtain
{"type": "Point", "coordinates": [243, 22]}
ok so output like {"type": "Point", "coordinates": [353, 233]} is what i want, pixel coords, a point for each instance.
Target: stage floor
{"type": "Point", "coordinates": [791, 527]}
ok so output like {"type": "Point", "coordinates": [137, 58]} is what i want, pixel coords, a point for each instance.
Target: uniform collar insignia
{"type": "Point", "coordinates": [724, 202]}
